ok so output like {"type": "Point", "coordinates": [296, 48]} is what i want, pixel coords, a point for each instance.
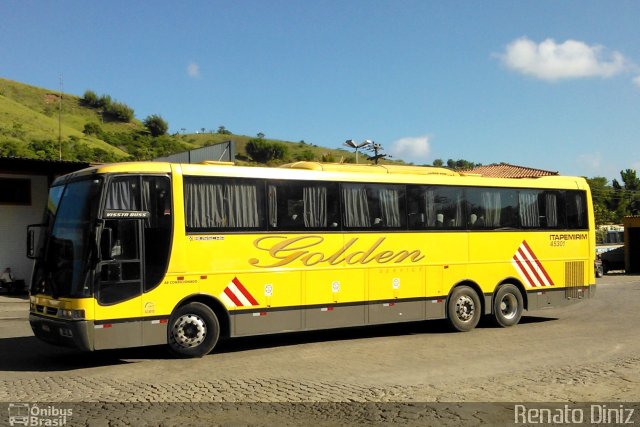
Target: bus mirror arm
{"type": "Point", "coordinates": [106, 238]}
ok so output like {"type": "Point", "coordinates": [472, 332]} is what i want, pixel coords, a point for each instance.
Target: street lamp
{"type": "Point", "coordinates": [351, 143]}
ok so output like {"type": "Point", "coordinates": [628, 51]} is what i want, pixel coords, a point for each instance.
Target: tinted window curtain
{"type": "Point", "coordinates": [314, 201]}
{"type": "Point", "coordinates": [528, 208]}
{"type": "Point", "coordinates": [430, 208]}
{"type": "Point", "coordinates": [123, 195]}
{"type": "Point", "coordinates": [492, 208]}
{"type": "Point", "coordinates": [221, 205]}
{"type": "Point", "coordinates": [390, 206]}
{"type": "Point", "coordinates": [458, 219]}
{"type": "Point", "coordinates": [204, 205]}
{"type": "Point", "coordinates": [355, 206]}
{"type": "Point", "coordinates": [272, 194]}
{"type": "Point", "coordinates": [242, 207]}
{"type": "Point", "coordinates": [580, 210]}
{"type": "Point", "coordinates": [551, 209]}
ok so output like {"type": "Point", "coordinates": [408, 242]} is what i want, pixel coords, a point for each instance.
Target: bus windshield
{"type": "Point", "coordinates": [65, 269]}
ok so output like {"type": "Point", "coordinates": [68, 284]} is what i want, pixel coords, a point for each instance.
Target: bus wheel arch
{"type": "Point", "coordinates": [465, 306]}
{"type": "Point", "coordinates": [195, 325]}
{"type": "Point", "coordinates": [508, 303]}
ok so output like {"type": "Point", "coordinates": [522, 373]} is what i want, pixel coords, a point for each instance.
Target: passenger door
{"type": "Point", "coordinates": [120, 276]}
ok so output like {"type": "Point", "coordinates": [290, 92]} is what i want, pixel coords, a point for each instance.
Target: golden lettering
{"type": "Point", "coordinates": [288, 250]}
{"type": "Point", "coordinates": [384, 257]}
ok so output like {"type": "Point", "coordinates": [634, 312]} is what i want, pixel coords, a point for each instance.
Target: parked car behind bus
{"type": "Point", "coordinates": [613, 260]}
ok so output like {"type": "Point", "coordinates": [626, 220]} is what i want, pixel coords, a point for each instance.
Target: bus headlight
{"type": "Point", "coordinates": [71, 314]}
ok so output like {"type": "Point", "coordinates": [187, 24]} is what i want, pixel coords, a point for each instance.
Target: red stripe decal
{"type": "Point", "coordinates": [244, 291]}
{"type": "Point", "coordinates": [523, 270]}
{"type": "Point", "coordinates": [531, 265]}
{"type": "Point", "coordinates": [539, 264]}
{"type": "Point", "coordinates": [232, 297]}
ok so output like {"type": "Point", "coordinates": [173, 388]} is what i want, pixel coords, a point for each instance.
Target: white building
{"type": "Point", "coordinates": [24, 186]}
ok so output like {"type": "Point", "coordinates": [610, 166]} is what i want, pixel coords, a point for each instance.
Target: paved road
{"type": "Point", "coordinates": [583, 353]}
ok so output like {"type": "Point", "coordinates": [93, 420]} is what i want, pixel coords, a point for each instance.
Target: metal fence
{"type": "Point", "coordinates": [224, 151]}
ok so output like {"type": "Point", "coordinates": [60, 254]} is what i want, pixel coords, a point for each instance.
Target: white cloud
{"type": "Point", "coordinates": [590, 161]}
{"type": "Point", "coordinates": [572, 59]}
{"type": "Point", "coordinates": [193, 70]}
{"type": "Point", "coordinates": [411, 149]}
{"type": "Point", "coordinates": [636, 81]}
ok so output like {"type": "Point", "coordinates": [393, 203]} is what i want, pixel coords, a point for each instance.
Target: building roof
{"type": "Point", "coordinates": [39, 166]}
{"type": "Point", "coordinates": [505, 170]}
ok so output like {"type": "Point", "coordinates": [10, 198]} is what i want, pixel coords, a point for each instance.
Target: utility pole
{"type": "Point", "coordinates": [60, 119]}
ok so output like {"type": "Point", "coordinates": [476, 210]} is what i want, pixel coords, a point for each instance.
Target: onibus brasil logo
{"type": "Point", "coordinates": [27, 414]}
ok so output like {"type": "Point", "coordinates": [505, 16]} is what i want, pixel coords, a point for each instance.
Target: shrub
{"type": "Point", "coordinates": [92, 129]}
{"type": "Point", "coordinates": [156, 124]}
{"type": "Point", "coordinates": [118, 111]}
{"type": "Point", "coordinates": [90, 99]}
{"type": "Point", "coordinates": [263, 151]}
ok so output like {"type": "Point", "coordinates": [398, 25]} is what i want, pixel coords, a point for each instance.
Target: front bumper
{"type": "Point", "coordinates": [68, 333]}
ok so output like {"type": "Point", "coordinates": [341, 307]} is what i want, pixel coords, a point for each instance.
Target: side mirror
{"type": "Point", "coordinates": [31, 241]}
{"type": "Point", "coordinates": [106, 244]}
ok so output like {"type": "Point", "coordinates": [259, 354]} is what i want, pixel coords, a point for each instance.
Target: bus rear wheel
{"type": "Point", "coordinates": [193, 330]}
{"type": "Point", "coordinates": [464, 309]}
{"type": "Point", "coordinates": [507, 306]}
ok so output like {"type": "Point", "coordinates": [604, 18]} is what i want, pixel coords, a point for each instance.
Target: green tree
{"type": "Point", "coordinates": [438, 162]}
{"type": "Point", "coordinates": [461, 164]}
{"type": "Point", "coordinates": [305, 155]}
{"type": "Point", "coordinates": [602, 195]}
{"type": "Point", "coordinates": [119, 111]}
{"type": "Point", "coordinates": [45, 149]}
{"type": "Point", "coordinates": [90, 99]}
{"type": "Point", "coordinates": [104, 102]}
{"type": "Point", "coordinates": [92, 128]}
{"type": "Point", "coordinates": [263, 151]}
{"type": "Point", "coordinates": [629, 195]}
{"type": "Point", "coordinates": [328, 158]}
{"type": "Point", "coordinates": [156, 124]}
{"type": "Point", "coordinates": [10, 149]}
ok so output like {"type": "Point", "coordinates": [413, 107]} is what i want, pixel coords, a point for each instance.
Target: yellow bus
{"type": "Point", "coordinates": [137, 254]}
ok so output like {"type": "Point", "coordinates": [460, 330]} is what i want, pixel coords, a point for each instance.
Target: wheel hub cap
{"type": "Point", "coordinates": [189, 331]}
{"type": "Point", "coordinates": [465, 308]}
{"type": "Point", "coordinates": [509, 306]}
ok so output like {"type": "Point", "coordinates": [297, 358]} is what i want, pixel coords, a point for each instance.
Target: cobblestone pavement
{"type": "Point", "coordinates": [617, 380]}
{"type": "Point", "coordinates": [584, 353]}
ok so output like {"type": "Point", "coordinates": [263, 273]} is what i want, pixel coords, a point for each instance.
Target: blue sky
{"type": "Point", "coordinates": [546, 84]}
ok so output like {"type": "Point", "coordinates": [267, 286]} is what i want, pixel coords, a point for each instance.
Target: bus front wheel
{"type": "Point", "coordinates": [507, 306]}
{"type": "Point", "coordinates": [464, 309]}
{"type": "Point", "coordinates": [193, 330]}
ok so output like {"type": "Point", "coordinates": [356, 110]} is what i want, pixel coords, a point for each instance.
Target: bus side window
{"type": "Point", "coordinates": [301, 205]}
{"type": "Point", "coordinates": [373, 206]}
{"type": "Point", "coordinates": [223, 204]}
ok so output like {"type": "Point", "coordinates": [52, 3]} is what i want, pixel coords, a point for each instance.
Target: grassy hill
{"type": "Point", "coordinates": [32, 119]}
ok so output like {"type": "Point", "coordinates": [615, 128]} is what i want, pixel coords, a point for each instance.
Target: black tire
{"type": "Point", "coordinates": [464, 309]}
{"type": "Point", "coordinates": [193, 330]}
{"type": "Point", "coordinates": [507, 306]}
{"type": "Point", "coordinates": [605, 267]}
{"type": "Point", "coordinates": [599, 271]}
